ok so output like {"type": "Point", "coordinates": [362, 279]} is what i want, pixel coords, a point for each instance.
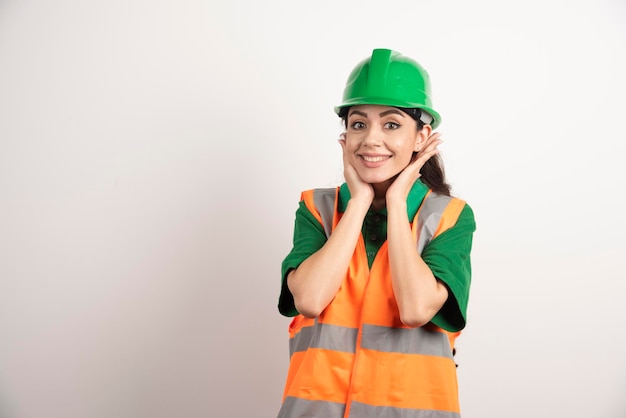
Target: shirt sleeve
{"type": "Point", "coordinates": [448, 256]}
{"type": "Point", "coordinates": [308, 238]}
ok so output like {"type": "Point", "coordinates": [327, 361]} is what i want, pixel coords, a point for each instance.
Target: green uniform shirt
{"type": "Point", "coordinates": [447, 255]}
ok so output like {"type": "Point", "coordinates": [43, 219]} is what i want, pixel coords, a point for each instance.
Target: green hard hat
{"type": "Point", "coordinates": [389, 78]}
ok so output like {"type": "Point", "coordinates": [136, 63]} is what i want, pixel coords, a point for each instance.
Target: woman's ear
{"type": "Point", "coordinates": [422, 136]}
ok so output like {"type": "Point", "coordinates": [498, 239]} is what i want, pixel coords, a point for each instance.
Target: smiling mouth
{"type": "Point", "coordinates": [376, 159]}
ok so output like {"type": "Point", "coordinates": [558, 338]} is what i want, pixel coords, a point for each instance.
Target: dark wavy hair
{"type": "Point", "coordinates": [433, 172]}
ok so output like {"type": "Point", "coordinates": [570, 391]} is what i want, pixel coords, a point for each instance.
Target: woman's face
{"type": "Point", "coordinates": [380, 141]}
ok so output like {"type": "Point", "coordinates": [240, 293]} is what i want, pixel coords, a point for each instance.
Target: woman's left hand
{"type": "Point", "coordinates": [399, 189]}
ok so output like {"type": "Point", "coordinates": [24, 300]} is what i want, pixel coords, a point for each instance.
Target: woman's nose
{"type": "Point", "coordinates": [373, 137]}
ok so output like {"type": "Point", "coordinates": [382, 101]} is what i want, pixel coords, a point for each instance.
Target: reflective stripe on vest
{"type": "Point", "coordinates": [392, 340]}
{"type": "Point", "coordinates": [294, 407]}
{"type": "Point", "coordinates": [357, 359]}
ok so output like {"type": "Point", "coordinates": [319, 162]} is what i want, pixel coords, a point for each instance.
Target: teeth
{"type": "Point", "coordinates": [373, 159]}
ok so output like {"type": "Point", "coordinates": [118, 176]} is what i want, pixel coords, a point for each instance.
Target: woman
{"type": "Point", "coordinates": [378, 278]}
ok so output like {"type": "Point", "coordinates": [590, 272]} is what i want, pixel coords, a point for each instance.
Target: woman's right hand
{"type": "Point", "coordinates": [360, 191]}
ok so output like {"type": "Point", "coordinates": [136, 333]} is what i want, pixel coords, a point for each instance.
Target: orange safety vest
{"type": "Point", "coordinates": [357, 359]}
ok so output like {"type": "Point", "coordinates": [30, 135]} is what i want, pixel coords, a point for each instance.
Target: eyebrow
{"type": "Point", "coordinates": [358, 112]}
{"type": "Point", "coordinates": [390, 111]}
{"type": "Point", "coordinates": [385, 113]}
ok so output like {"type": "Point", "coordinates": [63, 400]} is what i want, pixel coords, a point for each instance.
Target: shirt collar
{"type": "Point", "coordinates": [413, 201]}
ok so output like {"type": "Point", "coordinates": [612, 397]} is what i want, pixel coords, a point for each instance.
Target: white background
{"type": "Point", "coordinates": [152, 154]}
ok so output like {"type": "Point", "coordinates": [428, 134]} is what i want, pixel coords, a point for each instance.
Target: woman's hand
{"type": "Point", "coordinates": [399, 189]}
{"type": "Point", "coordinates": [360, 191]}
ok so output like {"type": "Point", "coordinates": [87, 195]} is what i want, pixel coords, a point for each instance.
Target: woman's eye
{"type": "Point", "coordinates": [358, 125]}
{"type": "Point", "coordinates": [392, 125]}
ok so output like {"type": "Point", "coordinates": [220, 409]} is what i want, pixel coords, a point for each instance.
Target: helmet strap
{"type": "Point", "coordinates": [418, 114]}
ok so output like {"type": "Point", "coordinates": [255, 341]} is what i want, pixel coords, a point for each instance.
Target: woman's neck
{"type": "Point", "coordinates": [380, 194]}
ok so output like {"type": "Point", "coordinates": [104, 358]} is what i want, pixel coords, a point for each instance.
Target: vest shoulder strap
{"type": "Point", "coordinates": [437, 214]}
{"type": "Point", "coordinates": [321, 203]}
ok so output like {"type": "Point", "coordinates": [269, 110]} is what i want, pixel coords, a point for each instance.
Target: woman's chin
{"type": "Point", "coordinates": [374, 178]}
{"type": "Point", "coordinates": [378, 182]}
